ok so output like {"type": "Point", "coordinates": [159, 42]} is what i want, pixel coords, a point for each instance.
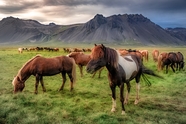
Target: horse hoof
{"type": "Point", "coordinates": [123, 112]}
{"type": "Point", "coordinates": [113, 110]}
{"type": "Point", "coordinates": [136, 102]}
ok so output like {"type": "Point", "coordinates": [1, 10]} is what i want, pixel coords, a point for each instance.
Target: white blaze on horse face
{"type": "Point", "coordinates": [128, 66]}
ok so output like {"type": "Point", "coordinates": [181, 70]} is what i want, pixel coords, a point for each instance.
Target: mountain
{"type": "Point", "coordinates": [126, 28]}
{"type": "Point", "coordinates": [179, 33]}
{"type": "Point", "coordinates": [18, 30]}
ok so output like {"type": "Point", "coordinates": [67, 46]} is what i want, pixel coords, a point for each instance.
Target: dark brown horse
{"type": "Point", "coordinates": [81, 60]}
{"type": "Point", "coordinates": [171, 59]}
{"type": "Point", "coordinates": [122, 69]}
{"type": "Point", "coordinates": [180, 61]}
{"type": "Point", "coordinates": [40, 66]}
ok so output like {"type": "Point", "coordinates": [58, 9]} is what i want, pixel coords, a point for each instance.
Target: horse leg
{"type": "Point", "coordinates": [127, 93]}
{"type": "Point", "coordinates": [64, 80]}
{"type": "Point", "coordinates": [93, 74]}
{"type": "Point", "coordinates": [122, 98]}
{"type": "Point", "coordinates": [42, 84]}
{"type": "Point", "coordinates": [71, 81]}
{"type": "Point", "coordinates": [36, 83]}
{"type": "Point", "coordinates": [137, 93]}
{"type": "Point", "coordinates": [172, 67]}
{"type": "Point", "coordinates": [81, 70]}
{"type": "Point", "coordinates": [113, 88]}
{"type": "Point", "coordinates": [167, 69]}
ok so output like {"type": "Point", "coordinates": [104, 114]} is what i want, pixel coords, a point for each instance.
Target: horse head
{"type": "Point", "coordinates": [97, 59]}
{"type": "Point", "coordinates": [18, 84]}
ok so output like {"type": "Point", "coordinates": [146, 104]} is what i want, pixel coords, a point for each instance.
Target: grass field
{"type": "Point", "coordinates": [164, 102]}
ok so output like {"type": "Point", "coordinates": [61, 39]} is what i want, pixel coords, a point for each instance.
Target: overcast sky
{"type": "Point", "coordinates": [165, 13]}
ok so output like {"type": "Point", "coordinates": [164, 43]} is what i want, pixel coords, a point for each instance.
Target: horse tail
{"type": "Point", "coordinates": [74, 71]}
{"type": "Point", "coordinates": [149, 72]}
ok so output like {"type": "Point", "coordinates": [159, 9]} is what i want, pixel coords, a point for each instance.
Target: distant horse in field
{"type": "Point", "coordinates": [40, 66]}
{"type": "Point", "coordinates": [160, 58]}
{"type": "Point", "coordinates": [145, 54]}
{"type": "Point", "coordinates": [81, 60]}
{"type": "Point", "coordinates": [20, 50]}
{"type": "Point", "coordinates": [171, 59]}
{"type": "Point", "coordinates": [122, 69]}
{"type": "Point", "coordinates": [124, 52]}
{"type": "Point", "coordinates": [155, 54]}
{"type": "Point", "coordinates": [180, 61]}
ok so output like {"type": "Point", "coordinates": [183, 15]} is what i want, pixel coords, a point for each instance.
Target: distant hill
{"type": "Point", "coordinates": [128, 29]}
{"type": "Point", "coordinates": [18, 30]}
{"type": "Point", "coordinates": [179, 33]}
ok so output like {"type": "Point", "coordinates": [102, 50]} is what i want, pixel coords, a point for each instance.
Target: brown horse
{"type": "Point", "coordinates": [81, 60]}
{"type": "Point", "coordinates": [145, 54]}
{"type": "Point", "coordinates": [180, 61]}
{"type": "Point", "coordinates": [122, 69]}
{"type": "Point", "coordinates": [40, 66]}
{"type": "Point", "coordinates": [124, 52]}
{"type": "Point", "coordinates": [171, 59]}
{"type": "Point", "coordinates": [160, 58]}
{"type": "Point", "coordinates": [155, 54]}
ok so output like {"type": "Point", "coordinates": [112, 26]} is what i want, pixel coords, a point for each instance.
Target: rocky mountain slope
{"type": "Point", "coordinates": [129, 29]}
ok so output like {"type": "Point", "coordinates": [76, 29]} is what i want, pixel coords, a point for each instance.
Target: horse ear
{"type": "Point", "coordinates": [95, 44]}
{"type": "Point", "coordinates": [103, 47]}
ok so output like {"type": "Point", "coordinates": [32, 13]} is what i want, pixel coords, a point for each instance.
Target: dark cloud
{"type": "Point", "coordinates": [165, 13]}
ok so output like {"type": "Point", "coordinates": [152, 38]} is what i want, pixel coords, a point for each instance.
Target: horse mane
{"type": "Point", "coordinates": [19, 72]}
{"type": "Point", "coordinates": [112, 56]}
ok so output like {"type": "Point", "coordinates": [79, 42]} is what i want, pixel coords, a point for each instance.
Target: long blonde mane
{"type": "Point", "coordinates": [19, 72]}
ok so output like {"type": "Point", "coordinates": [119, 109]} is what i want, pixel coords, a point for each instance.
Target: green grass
{"type": "Point", "coordinates": [90, 102]}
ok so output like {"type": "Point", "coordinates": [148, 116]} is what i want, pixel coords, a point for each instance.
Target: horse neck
{"type": "Point", "coordinates": [112, 62]}
{"type": "Point", "coordinates": [24, 74]}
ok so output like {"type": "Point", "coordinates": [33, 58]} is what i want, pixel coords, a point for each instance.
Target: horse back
{"type": "Point", "coordinates": [50, 66]}
{"type": "Point", "coordinates": [180, 57]}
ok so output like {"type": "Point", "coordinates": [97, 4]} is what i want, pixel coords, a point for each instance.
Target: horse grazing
{"type": "Point", "coordinates": [170, 59]}
{"type": "Point", "coordinates": [155, 54]}
{"type": "Point", "coordinates": [81, 60]}
{"type": "Point", "coordinates": [124, 52]}
{"type": "Point", "coordinates": [20, 50]}
{"type": "Point", "coordinates": [122, 69]}
{"type": "Point", "coordinates": [145, 54]}
{"type": "Point", "coordinates": [160, 58]}
{"type": "Point", "coordinates": [40, 66]}
{"type": "Point", "coordinates": [180, 61]}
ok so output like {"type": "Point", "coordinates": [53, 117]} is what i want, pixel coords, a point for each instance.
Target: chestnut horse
{"type": "Point", "coordinates": [81, 60]}
{"type": "Point", "coordinates": [155, 54]}
{"type": "Point", "coordinates": [124, 52]}
{"type": "Point", "coordinates": [122, 69]}
{"type": "Point", "coordinates": [40, 66]}
{"type": "Point", "coordinates": [145, 54]}
{"type": "Point", "coordinates": [160, 58]}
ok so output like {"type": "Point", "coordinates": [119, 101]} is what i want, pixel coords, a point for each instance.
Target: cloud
{"type": "Point", "coordinates": [78, 11]}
